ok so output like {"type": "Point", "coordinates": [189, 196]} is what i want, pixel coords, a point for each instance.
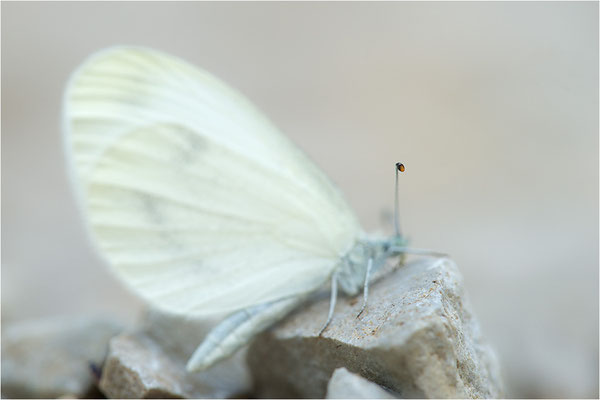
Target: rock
{"type": "Point", "coordinates": [150, 363]}
{"type": "Point", "coordinates": [54, 357]}
{"type": "Point", "coordinates": [346, 385]}
{"type": "Point", "coordinates": [417, 337]}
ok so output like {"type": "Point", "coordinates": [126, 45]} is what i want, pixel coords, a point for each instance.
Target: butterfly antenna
{"type": "Point", "coordinates": [399, 168]}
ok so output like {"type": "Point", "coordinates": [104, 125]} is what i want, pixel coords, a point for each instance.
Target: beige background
{"type": "Point", "coordinates": [493, 108]}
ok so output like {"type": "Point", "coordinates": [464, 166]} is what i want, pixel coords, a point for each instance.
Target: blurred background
{"type": "Point", "coordinates": [492, 107]}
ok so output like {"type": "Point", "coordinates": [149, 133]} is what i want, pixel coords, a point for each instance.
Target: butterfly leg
{"type": "Point", "coordinates": [366, 290]}
{"type": "Point", "coordinates": [422, 252]}
{"type": "Point", "coordinates": [442, 257]}
{"type": "Point", "coordinates": [236, 330]}
{"type": "Point", "coordinates": [332, 301]}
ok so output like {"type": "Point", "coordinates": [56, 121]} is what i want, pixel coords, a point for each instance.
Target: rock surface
{"type": "Point", "coordinates": [346, 385]}
{"type": "Point", "coordinates": [150, 363]}
{"type": "Point", "coordinates": [417, 337]}
{"type": "Point", "coordinates": [54, 357]}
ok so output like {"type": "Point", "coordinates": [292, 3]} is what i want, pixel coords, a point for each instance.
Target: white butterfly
{"type": "Point", "coordinates": [199, 204]}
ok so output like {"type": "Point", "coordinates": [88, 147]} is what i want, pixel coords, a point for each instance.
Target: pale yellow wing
{"type": "Point", "coordinates": [196, 201]}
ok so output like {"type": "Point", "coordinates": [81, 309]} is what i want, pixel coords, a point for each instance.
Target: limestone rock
{"type": "Point", "coordinates": [150, 363]}
{"type": "Point", "coordinates": [346, 385]}
{"type": "Point", "coordinates": [54, 357]}
{"type": "Point", "coordinates": [417, 337]}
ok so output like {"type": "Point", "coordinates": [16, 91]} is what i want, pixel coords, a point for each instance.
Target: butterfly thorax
{"type": "Point", "coordinates": [353, 268]}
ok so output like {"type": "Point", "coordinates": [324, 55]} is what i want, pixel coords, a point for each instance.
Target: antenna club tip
{"type": "Point", "coordinates": [400, 166]}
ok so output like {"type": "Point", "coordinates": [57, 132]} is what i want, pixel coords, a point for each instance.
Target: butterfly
{"type": "Point", "coordinates": [200, 205]}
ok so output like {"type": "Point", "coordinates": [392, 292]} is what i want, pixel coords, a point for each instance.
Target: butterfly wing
{"type": "Point", "coordinates": [196, 201]}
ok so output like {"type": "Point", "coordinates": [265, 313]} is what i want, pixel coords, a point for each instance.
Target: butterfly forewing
{"type": "Point", "coordinates": [192, 196]}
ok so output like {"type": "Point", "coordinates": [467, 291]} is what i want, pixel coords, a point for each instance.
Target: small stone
{"type": "Point", "coordinates": [346, 385]}
{"type": "Point", "coordinates": [417, 337]}
{"type": "Point", "coordinates": [150, 363]}
{"type": "Point", "coordinates": [54, 357]}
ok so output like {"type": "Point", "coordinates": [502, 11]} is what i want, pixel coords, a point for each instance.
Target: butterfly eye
{"type": "Point", "coordinates": [400, 167]}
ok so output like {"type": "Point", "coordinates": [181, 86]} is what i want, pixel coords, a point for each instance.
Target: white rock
{"type": "Point", "coordinates": [417, 337]}
{"type": "Point", "coordinates": [150, 363]}
{"type": "Point", "coordinates": [346, 385]}
{"type": "Point", "coordinates": [55, 356]}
